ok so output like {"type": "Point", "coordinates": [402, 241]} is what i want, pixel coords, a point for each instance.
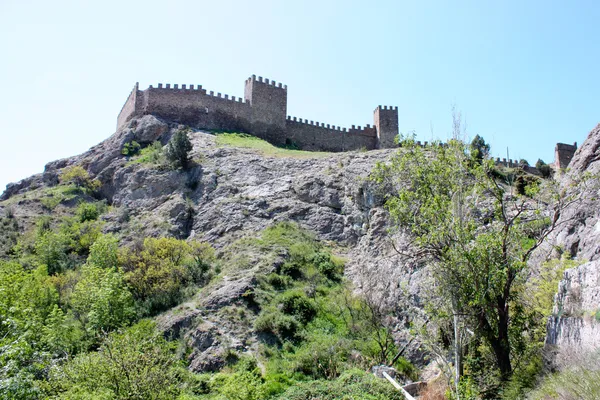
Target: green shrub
{"type": "Point", "coordinates": [131, 148]}
{"type": "Point", "coordinates": [285, 327]}
{"type": "Point", "coordinates": [90, 211]}
{"type": "Point", "coordinates": [160, 273]}
{"type": "Point", "coordinates": [137, 363]}
{"type": "Point", "coordinates": [326, 265]}
{"type": "Point", "coordinates": [178, 150]}
{"type": "Point", "coordinates": [150, 155]}
{"type": "Point", "coordinates": [297, 304]}
{"type": "Point", "coordinates": [353, 384]}
{"type": "Point", "coordinates": [78, 176]}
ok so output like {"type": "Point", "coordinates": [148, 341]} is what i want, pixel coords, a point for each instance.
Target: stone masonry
{"type": "Point", "coordinates": [262, 112]}
{"type": "Point", "coordinates": [563, 153]}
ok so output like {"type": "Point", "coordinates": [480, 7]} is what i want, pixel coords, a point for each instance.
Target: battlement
{"type": "Point", "coordinates": [262, 111]}
{"type": "Point", "coordinates": [367, 130]}
{"type": "Point", "coordinates": [266, 81]}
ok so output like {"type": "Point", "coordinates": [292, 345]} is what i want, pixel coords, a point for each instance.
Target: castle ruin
{"type": "Point", "coordinates": [563, 153]}
{"type": "Point", "coordinates": [262, 112]}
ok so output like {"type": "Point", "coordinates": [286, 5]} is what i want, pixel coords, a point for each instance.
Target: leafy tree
{"type": "Point", "coordinates": [163, 269]}
{"type": "Point", "coordinates": [479, 149]}
{"type": "Point", "coordinates": [178, 150]}
{"type": "Point", "coordinates": [101, 300]}
{"type": "Point", "coordinates": [78, 176]}
{"type": "Point", "coordinates": [104, 253]}
{"type": "Point", "coordinates": [137, 363]}
{"type": "Point", "coordinates": [544, 168]}
{"type": "Point", "coordinates": [477, 238]}
{"type": "Point", "coordinates": [28, 309]}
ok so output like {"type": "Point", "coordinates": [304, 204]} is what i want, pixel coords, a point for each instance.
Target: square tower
{"type": "Point", "coordinates": [386, 122]}
{"type": "Point", "coordinates": [268, 100]}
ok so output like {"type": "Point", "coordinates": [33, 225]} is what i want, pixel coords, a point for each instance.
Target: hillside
{"type": "Point", "coordinates": [275, 267]}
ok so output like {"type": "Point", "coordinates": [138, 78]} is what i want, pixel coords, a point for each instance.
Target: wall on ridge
{"type": "Point", "coordinates": [195, 107]}
{"type": "Point", "coordinates": [320, 137]}
{"type": "Point", "coordinates": [129, 108]}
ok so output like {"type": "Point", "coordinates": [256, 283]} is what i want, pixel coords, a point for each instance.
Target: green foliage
{"type": "Point", "coordinates": [438, 196]}
{"type": "Point", "coordinates": [526, 185]}
{"type": "Point", "coordinates": [353, 384]}
{"type": "Point", "coordinates": [296, 303]}
{"type": "Point", "coordinates": [178, 150]}
{"type": "Point", "coordinates": [131, 149]}
{"type": "Point", "coordinates": [32, 329]}
{"type": "Point", "coordinates": [544, 168]}
{"type": "Point", "coordinates": [104, 253]}
{"type": "Point", "coordinates": [101, 300]}
{"type": "Point", "coordinates": [163, 269]}
{"type": "Point", "coordinates": [480, 150]}
{"type": "Point", "coordinates": [90, 211]}
{"type": "Point", "coordinates": [252, 142]}
{"type": "Point", "coordinates": [134, 364]}
{"type": "Point", "coordinates": [78, 176]}
{"type": "Point", "coordinates": [579, 381]}
{"type": "Point", "coordinates": [151, 155]}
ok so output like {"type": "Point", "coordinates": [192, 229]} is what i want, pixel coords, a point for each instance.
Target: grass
{"type": "Point", "coordinates": [262, 146]}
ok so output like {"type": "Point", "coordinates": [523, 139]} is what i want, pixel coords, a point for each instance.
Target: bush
{"type": "Point", "coordinates": [178, 150]}
{"type": "Point", "coordinates": [90, 211]}
{"type": "Point", "coordinates": [297, 304]}
{"type": "Point", "coordinates": [285, 327]}
{"type": "Point", "coordinates": [544, 168]}
{"type": "Point", "coordinates": [353, 384]}
{"type": "Point", "coordinates": [328, 266]}
{"type": "Point", "coordinates": [131, 148]}
{"type": "Point", "coordinates": [160, 272]}
{"type": "Point", "coordinates": [137, 363]}
{"type": "Point", "coordinates": [78, 176]}
{"type": "Point", "coordinates": [101, 300]}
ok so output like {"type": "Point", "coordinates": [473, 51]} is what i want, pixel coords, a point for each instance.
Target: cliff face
{"type": "Point", "coordinates": [575, 324]}
{"type": "Point", "coordinates": [230, 193]}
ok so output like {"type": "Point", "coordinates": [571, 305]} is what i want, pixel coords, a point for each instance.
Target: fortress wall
{"type": "Point", "coordinates": [316, 136]}
{"type": "Point", "coordinates": [129, 108]}
{"type": "Point", "coordinates": [194, 106]}
{"type": "Point", "coordinates": [563, 153]}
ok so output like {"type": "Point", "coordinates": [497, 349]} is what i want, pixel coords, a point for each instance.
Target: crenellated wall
{"type": "Point", "coordinates": [262, 112]}
{"type": "Point", "coordinates": [318, 136]}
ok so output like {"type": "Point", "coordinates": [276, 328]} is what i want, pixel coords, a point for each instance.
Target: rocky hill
{"type": "Point", "coordinates": [233, 191]}
{"type": "Point", "coordinates": [575, 325]}
{"type": "Point", "coordinates": [238, 195]}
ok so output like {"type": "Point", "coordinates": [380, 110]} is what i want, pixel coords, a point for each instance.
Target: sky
{"type": "Point", "coordinates": [523, 74]}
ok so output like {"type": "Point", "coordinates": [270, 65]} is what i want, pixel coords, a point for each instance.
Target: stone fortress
{"type": "Point", "coordinates": [262, 112]}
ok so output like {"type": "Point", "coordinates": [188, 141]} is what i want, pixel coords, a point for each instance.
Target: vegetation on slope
{"type": "Point", "coordinates": [76, 304]}
{"type": "Point", "coordinates": [265, 148]}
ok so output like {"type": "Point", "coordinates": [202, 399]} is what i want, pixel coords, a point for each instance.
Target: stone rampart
{"type": "Point", "coordinates": [129, 108]}
{"type": "Point", "coordinates": [318, 136]}
{"type": "Point", "coordinates": [194, 106]}
{"type": "Point", "coordinates": [262, 112]}
{"type": "Point", "coordinates": [563, 153]}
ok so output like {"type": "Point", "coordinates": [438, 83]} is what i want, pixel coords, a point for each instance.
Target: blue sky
{"type": "Point", "coordinates": [523, 74]}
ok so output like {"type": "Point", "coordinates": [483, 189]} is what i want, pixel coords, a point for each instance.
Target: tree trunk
{"type": "Point", "coordinates": [458, 356]}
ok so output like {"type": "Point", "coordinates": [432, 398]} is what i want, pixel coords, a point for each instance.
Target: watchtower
{"type": "Point", "coordinates": [386, 122]}
{"type": "Point", "coordinates": [563, 153]}
{"type": "Point", "coordinates": [268, 100]}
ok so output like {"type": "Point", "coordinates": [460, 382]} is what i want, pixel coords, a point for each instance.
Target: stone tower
{"type": "Point", "coordinates": [563, 153]}
{"type": "Point", "coordinates": [386, 122]}
{"type": "Point", "coordinates": [268, 100]}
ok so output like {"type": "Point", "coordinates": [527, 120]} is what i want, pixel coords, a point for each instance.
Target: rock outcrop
{"type": "Point", "coordinates": [575, 324]}
{"type": "Point", "coordinates": [232, 192]}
